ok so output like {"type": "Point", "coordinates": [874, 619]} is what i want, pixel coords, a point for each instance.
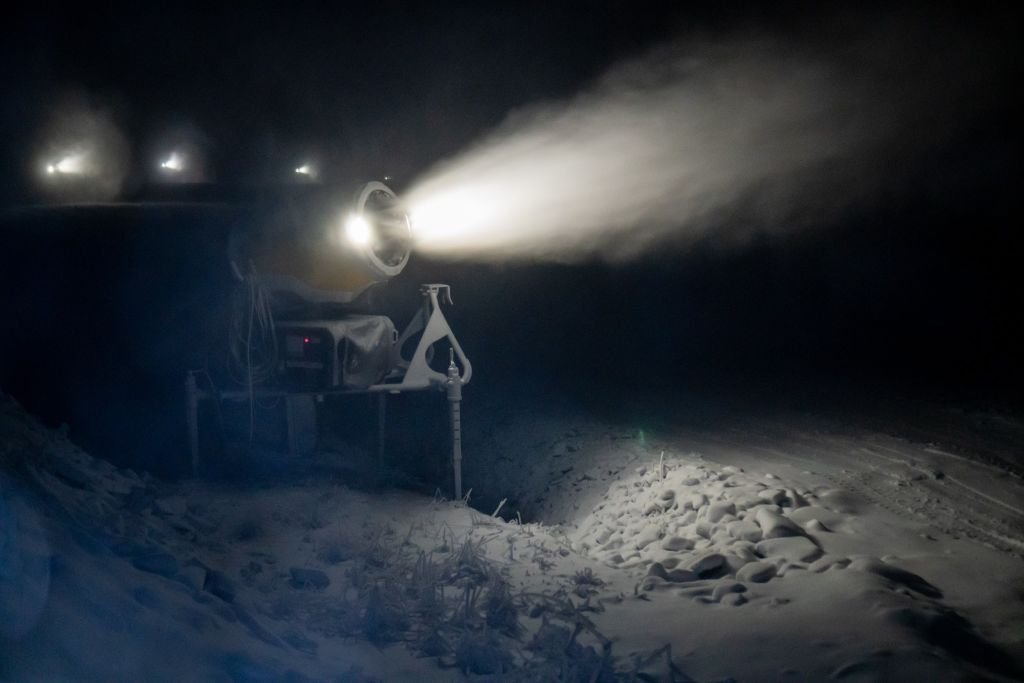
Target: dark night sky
{"type": "Point", "coordinates": [924, 285]}
{"type": "Point", "coordinates": [389, 85]}
{"type": "Point", "coordinates": [386, 84]}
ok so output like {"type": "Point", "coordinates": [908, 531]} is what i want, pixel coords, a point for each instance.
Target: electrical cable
{"type": "Point", "coordinates": [253, 344]}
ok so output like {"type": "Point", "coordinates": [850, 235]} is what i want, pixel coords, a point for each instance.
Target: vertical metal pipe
{"type": "Point", "coordinates": [453, 387]}
{"type": "Point", "coordinates": [455, 411]}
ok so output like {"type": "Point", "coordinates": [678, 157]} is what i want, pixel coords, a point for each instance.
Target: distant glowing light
{"type": "Point", "coordinates": [309, 171]}
{"type": "Point", "coordinates": [358, 230]}
{"type": "Point", "coordinates": [173, 163]}
{"type": "Point", "coordinates": [72, 164]}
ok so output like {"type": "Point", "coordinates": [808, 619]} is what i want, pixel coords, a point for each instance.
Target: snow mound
{"type": "Point", "coordinates": [694, 536]}
{"type": "Point", "coordinates": [710, 522]}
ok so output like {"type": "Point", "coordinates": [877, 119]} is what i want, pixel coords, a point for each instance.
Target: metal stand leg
{"type": "Point", "coordinates": [455, 412]}
{"type": "Point", "coordinates": [192, 420]}
{"type": "Point", "coordinates": [301, 416]}
{"type": "Point", "coordinates": [454, 390]}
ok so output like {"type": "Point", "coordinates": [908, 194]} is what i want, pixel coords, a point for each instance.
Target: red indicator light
{"type": "Point", "coordinates": [305, 340]}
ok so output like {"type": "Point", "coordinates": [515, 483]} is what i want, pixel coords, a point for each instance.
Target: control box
{"type": "Point", "coordinates": [353, 352]}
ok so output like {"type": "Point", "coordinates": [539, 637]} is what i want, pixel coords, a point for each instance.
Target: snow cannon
{"type": "Point", "coordinates": [303, 328]}
{"type": "Point", "coordinates": [259, 296]}
{"type": "Point", "coordinates": [326, 248]}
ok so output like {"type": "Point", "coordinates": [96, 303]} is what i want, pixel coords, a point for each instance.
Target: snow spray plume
{"type": "Point", "coordinates": [688, 142]}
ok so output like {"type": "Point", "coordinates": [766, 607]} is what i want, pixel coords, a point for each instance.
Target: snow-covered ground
{"type": "Point", "coordinates": [719, 545]}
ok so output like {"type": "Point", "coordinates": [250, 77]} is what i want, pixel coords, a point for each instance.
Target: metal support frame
{"type": "Point", "coordinates": [416, 372]}
{"type": "Point", "coordinates": [412, 374]}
